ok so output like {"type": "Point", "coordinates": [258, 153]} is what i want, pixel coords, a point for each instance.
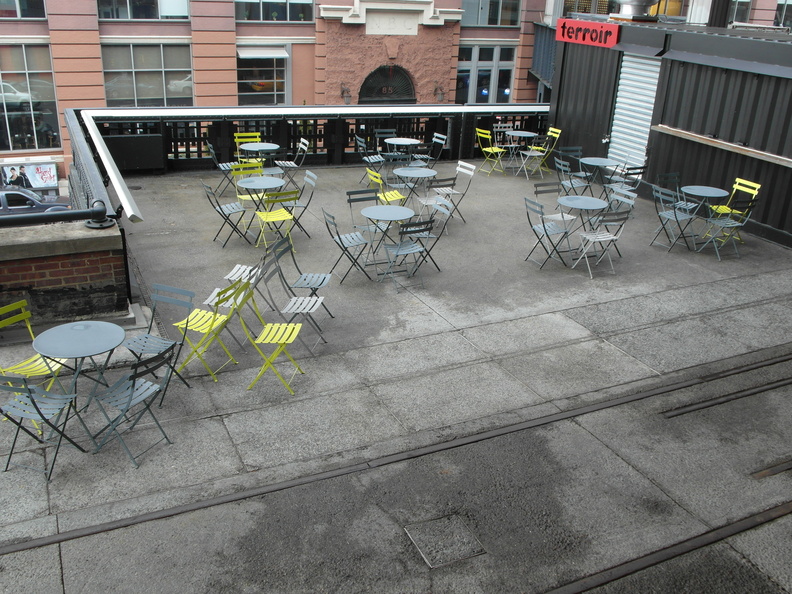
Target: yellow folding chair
{"type": "Point", "coordinates": [240, 171]}
{"type": "Point", "coordinates": [241, 138]}
{"type": "Point", "coordinates": [280, 335]}
{"type": "Point", "coordinates": [742, 188]}
{"type": "Point", "coordinates": [534, 158]}
{"type": "Point", "coordinates": [277, 217]}
{"type": "Point", "coordinates": [385, 196]}
{"type": "Point", "coordinates": [492, 154]}
{"type": "Point", "coordinates": [36, 366]}
{"type": "Point", "coordinates": [209, 323]}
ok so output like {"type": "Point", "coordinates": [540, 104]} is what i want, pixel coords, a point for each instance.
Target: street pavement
{"type": "Point", "coordinates": [500, 429]}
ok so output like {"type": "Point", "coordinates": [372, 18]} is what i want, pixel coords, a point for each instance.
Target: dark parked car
{"type": "Point", "coordinates": [14, 200]}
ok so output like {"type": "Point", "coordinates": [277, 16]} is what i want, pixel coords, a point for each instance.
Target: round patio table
{"type": "Point", "coordinates": [587, 206]}
{"type": "Point", "coordinates": [80, 341]}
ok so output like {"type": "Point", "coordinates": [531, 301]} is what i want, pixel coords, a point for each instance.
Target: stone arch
{"type": "Point", "coordinates": [387, 84]}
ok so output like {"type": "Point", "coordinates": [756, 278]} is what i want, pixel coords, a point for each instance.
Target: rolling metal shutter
{"type": "Point", "coordinates": [632, 114]}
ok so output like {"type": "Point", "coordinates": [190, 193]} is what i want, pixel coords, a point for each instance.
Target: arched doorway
{"type": "Point", "coordinates": [387, 84]}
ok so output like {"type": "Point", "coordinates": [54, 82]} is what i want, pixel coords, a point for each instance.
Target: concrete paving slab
{"type": "Point", "coordinates": [704, 460]}
{"type": "Point", "coordinates": [454, 396]}
{"type": "Point", "coordinates": [577, 368]}
{"type": "Point", "coordinates": [527, 334]}
{"type": "Point", "coordinates": [764, 549]}
{"type": "Point", "coordinates": [309, 429]}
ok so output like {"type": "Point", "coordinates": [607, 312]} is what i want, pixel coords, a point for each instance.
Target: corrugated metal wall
{"type": "Point", "coordinates": [583, 94]}
{"type": "Point", "coordinates": [731, 105]}
{"type": "Point", "coordinates": [739, 107]}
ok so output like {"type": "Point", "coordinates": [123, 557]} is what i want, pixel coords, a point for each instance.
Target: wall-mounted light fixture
{"type": "Point", "coordinates": [439, 92]}
{"type": "Point", "coordinates": [346, 94]}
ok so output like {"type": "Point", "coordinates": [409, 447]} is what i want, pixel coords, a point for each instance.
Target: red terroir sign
{"type": "Point", "coordinates": [587, 32]}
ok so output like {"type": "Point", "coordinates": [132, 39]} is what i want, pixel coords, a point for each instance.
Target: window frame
{"type": "Point", "coordinates": [19, 14]}
{"type": "Point", "coordinates": [285, 68]}
{"type": "Point", "coordinates": [476, 67]}
{"type": "Point", "coordinates": [259, 10]}
{"type": "Point", "coordinates": [138, 76]}
{"type": "Point", "coordinates": [36, 126]}
{"type": "Point", "coordinates": [114, 10]}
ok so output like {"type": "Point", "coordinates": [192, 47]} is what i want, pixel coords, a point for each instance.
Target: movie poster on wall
{"type": "Point", "coordinates": [31, 175]}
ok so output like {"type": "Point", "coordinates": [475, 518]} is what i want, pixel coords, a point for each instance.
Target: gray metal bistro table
{"type": "Point", "coordinates": [80, 341]}
{"type": "Point", "coordinates": [258, 149]}
{"type": "Point", "coordinates": [386, 213]}
{"type": "Point", "coordinates": [587, 207]}
{"type": "Point", "coordinates": [256, 184]}
{"type": "Point", "coordinates": [417, 174]}
{"type": "Point", "coordinates": [598, 165]}
{"type": "Point", "coordinates": [697, 198]}
{"type": "Point", "coordinates": [514, 150]}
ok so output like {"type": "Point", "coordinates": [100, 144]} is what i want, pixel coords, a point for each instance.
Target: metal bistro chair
{"type": "Point", "coordinates": [725, 228]}
{"type": "Point", "coordinates": [492, 154]}
{"type": "Point", "coordinates": [534, 158]}
{"type": "Point", "coordinates": [43, 409]}
{"type": "Point", "coordinates": [605, 235]}
{"type": "Point", "coordinates": [127, 401]}
{"type": "Point", "coordinates": [312, 281]}
{"type": "Point", "coordinates": [148, 344]}
{"type": "Point", "coordinates": [409, 244]}
{"type": "Point", "coordinates": [373, 161]}
{"type": "Point", "coordinates": [352, 245]}
{"type": "Point", "coordinates": [232, 213]}
{"type": "Point", "coordinates": [674, 219]}
{"type": "Point", "coordinates": [241, 138]}
{"type": "Point", "coordinates": [35, 366]}
{"type": "Point", "coordinates": [224, 168]}
{"type": "Point", "coordinates": [572, 184]}
{"type": "Point", "coordinates": [452, 189]}
{"type": "Point", "coordinates": [549, 233]}
{"type": "Point", "coordinates": [290, 167]}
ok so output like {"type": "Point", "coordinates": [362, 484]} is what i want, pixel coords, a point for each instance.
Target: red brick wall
{"type": "Point", "coordinates": [67, 285]}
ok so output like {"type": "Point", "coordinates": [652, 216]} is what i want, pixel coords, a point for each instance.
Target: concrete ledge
{"type": "Point", "coordinates": [18, 243]}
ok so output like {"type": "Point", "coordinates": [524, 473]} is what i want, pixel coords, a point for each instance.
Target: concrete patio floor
{"type": "Point", "coordinates": [498, 395]}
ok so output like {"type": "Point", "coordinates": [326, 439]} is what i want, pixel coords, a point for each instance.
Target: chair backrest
{"type": "Point", "coordinates": [742, 207]}
{"type": "Point", "coordinates": [499, 132]}
{"type": "Point", "coordinates": [374, 178]}
{"type": "Point", "coordinates": [415, 228]}
{"type": "Point", "coordinates": [670, 181]}
{"type": "Point", "coordinates": [243, 137]}
{"type": "Point", "coordinates": [150, 366]}
{"type": "Point", "coordinates": [572, 152]}
{"type": "Point", "coordinates": [743, 185]}
{"type": "Point", "coordinates": [484, 138]}
{"type": "Point", "coordinates": [553, 134]}
{"type": "Point", "coordinates": [239, 170]}
{"type": "Point", "coordinates": [212, 154]}
{"type": "Point", "coordinates": [611, 219]}
{"type": "Point", "coordinates": [621, 198]}
{"type": "Point", "coordinates": [381, 135]}
{"type": "Point", "coordinates": [308, 188]}
{"type": "Point", "coordinates": [330, 223]}
{"type": "Point", "coordinates": [362, 148]}
{"type": "Point", "coordinates": [665, 199]}
{"type": "Point", "coordinates": [302, 150]}
{"type": "Point", "coordinates": [16, 312]}
{"type": "Point", "coordinates": [549, 187]}
{"type": "Point", "coordinates": [532, 206]}
{"type": "Point", "coordinates": [172, 296]}
{"type": "Point", "coordinates": [280, 199]}
{"type": "Point", "coordinates": [563, 168]}
{"type": "Point", "coordinates": [466, 168]}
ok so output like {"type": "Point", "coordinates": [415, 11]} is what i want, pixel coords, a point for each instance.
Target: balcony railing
{"type": "Point", "coordinates": [171, 138]}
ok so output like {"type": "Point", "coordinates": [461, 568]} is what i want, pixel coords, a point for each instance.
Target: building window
{"type": "Point", "coordinates": [30, 114]}
{"type": "Point", "coordinates": [783, 16]}
{"type": "Point", "coordinates": [261, 10]}
{"type": "Point", "coordinates": [739, 11]}
{"type": "Point", "coordinates": [504, 13]}
{"type": "Point", "coordinates": [22, 9]}
{"type": "Point", "coordinates": [590, 6]}
{"type": "Point", "coordinates": [484, 74]}
{"type": "Point", "coordinates": [147, 75]}
{"type": "Point", "coordinates": [143, 9]}
{"type": "Point", "coordinates": [261, 80]}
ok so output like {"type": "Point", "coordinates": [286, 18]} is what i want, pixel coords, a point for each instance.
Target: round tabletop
{"type": "Point", "coordinates": [704, 191]}
{"type": "Point", "coordinates": [582, 202]}
{"type": "Point", "coordinates": [259, 146]}
{"type": "Point", "coordinates": [520, 133]}
{"type": "Point", "coordinates": [386, 212]}
{"type": "Point", "coordinates": [599, 162]}
{"type": "Point", "coordinates": [402, 141]}
{"type": "Point", "coordinates": [261, 182]}
{"type": "Point", "coordinates": [414, 172]}
{"type": "Point", "coordinates": [78, 340]}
